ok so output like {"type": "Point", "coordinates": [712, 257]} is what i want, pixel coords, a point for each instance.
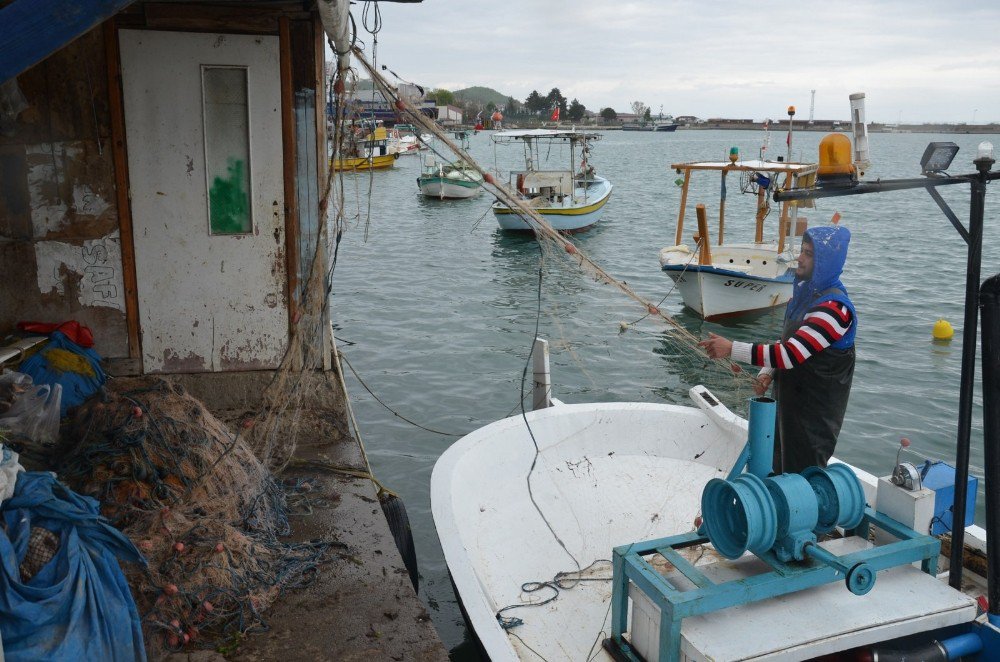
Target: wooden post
{"type": "Point", "coordinates": [722, 208]}
{"type": "Point", "coordinates": [704, 251]}
{"type": "Point", "coordinates": [680, 217]}
{"type": "Point", "coordinates": [784, 219]}
{"type": "Point", "coordinates": [119, 157]}
{"type": "Point", "coordinates": [541, 394]}
{"type": "Point", "coordinates": [761, 212]}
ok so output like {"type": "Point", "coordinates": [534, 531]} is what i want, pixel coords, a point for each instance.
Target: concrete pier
{"type": "Point", "coordinates": [361, 605]}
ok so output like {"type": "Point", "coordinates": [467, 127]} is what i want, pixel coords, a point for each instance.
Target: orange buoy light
{"type": "Point", "coordinates": [835, 164]}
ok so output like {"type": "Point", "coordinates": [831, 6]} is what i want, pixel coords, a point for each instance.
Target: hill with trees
{"type": "Point", "coordinates": [481, 95]}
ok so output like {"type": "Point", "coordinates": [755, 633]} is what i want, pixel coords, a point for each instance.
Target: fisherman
{"type": "Point", "coordinates": [814, 359]}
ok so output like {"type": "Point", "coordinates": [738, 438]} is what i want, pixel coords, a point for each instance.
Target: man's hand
{"type": "Point", "coordinates": [761, 384]}
{"type": "Point", "coordinates": [716, 346]}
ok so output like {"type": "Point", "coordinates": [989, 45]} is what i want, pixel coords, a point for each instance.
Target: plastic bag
{"type": "Point", "coordinates": [12, 384]}
{"type": "Point", "coordinates": [9, 468]}
{"type": "Point", "coordinates": [34, 415]}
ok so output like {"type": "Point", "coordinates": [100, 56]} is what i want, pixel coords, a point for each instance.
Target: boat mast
{"type": "Point", "coordinates": [684, 199]}
{"type": "Point", "coordinates": [572, 160]}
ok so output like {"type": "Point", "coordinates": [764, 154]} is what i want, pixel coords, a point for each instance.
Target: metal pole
{"type": "Point", "coordinates": [989, 303]}
{"type": "Point", "coordinates": [541, 393]}
{"type": "Point", "coordinates": [788, 140]}
{"type": "Point", "coordinates": [969, 333]}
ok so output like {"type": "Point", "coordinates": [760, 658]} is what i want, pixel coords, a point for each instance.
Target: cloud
{"type": "Point", "coordinates": [917, 57]}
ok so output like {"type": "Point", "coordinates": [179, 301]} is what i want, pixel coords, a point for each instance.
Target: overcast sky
{"type": "Point", "coordinates": [917, 60]}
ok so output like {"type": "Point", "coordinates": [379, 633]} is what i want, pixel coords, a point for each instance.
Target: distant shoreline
{"type": "Point", "coordinates": [825, 126]}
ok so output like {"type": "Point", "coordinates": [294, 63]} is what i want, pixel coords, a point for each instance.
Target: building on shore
{"type": "Point", "coordinates": [163, 165]}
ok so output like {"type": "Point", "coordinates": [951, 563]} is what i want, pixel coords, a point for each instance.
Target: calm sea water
{"type": "Point", "coordinates": [436, 308]}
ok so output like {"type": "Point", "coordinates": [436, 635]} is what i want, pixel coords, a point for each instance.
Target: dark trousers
{"type": "Point", "coordinates": [812, 399]}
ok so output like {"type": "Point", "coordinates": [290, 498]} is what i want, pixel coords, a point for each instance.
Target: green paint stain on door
{"type": "Point", "coordinates": [229, 201]}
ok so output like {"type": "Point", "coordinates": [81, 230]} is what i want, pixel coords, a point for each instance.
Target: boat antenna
{"type": "Point", "coordinates": [791, 114]}
{"type": "Point", "coordinates": [767, 139]}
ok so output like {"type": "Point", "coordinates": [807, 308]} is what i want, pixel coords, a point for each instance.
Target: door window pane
{"type": "Point", "coordinates": [227, 149]}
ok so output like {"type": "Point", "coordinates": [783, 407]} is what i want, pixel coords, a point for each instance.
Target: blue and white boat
{"type": "Point", "coordinates": [569, 200]}
{"type": "Point", "coordinates": [719, 279]}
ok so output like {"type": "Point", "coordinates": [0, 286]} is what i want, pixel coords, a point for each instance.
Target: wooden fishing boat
{"type": "Point", "coordinates": [450, 180]}
{"type": "Point", "coordinates": [569, 200]}
{"type": "Point", "coordinates": [457, 180]}
{"type": "Point", "coordinates": [718, 278]}
{"type": "Point", "coordinates": [369, 153]}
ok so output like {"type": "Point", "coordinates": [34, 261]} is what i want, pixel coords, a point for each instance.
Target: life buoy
{"type": "Point", "coordinates": [395, 155]}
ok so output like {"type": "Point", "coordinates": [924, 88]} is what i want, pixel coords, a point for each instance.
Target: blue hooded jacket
{"type": "Point", "coordinates": [829, 255]}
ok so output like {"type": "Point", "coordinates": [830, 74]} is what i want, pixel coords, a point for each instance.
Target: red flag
{"type": "Point", "coordinates": [555, 114]}
{"type": "Point", "coordinates": [836, 218]}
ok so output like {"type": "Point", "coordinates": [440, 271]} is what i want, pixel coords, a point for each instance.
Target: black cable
{"type": "Point", "coordinates": [524, 413]}
{"type": "Point", "coordinates": [394, 412]}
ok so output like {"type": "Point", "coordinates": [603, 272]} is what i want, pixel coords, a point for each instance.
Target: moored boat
{"type": "Point", "coordinates": [570, 201]}
{"type": "Point", "coordinates": [737, 278]}
{"type": "Point", "coordinates": [608, 475]}
{"type": "Point", "coordinates": [369, 153]}
{"type": "Point", "coordinates": [450, 180]}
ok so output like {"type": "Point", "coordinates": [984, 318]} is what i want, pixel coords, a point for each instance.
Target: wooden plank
{"type": "Point", "coordinates": [288, 167]}
{"type": "Point", "coordinates": [322, 165]}
{"type": "Point", "coordinates": [119, 153]}
{"type": "Point", "coordinates": [30, 31]}
{"type": "Point", "coordinates": [213, 18]}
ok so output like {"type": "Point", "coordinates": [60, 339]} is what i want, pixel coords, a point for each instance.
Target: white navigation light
{"type": "Point", "coordinates": [859, 129]}
{"type": "Point", "coordinates": [937, 157]}
{"type": "Point", "coordinates": [985, 150]}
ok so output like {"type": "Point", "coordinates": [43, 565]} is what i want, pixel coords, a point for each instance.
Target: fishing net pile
{"type": "Point", "coordinates": [204, 510]}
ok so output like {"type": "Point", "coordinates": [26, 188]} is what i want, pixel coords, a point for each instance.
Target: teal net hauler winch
{"type": "Point", "coordinates": [784, 514]}
{"type": "Point", "coordinates": [781, 520]}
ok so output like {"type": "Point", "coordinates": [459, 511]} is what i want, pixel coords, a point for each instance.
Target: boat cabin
{"type": "Point", "coordinates": [760, 176]}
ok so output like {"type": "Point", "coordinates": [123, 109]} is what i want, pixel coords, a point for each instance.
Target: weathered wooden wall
{"type": "Point", "coordinates": [66, 249]}
{"type": "Point", "coordinates": [60, 251]}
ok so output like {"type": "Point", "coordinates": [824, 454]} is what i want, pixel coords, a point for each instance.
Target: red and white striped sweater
{"type": "Point", "coordinates": [823, 325]}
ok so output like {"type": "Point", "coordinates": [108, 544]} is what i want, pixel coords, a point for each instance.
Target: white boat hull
{"type": "Point", "coordinates": [723, 290]}
{"type": "Point", "coordinates": [607, 475]}
{"type": "Point", "coordinates": [572, 215]}
{"type": "Point", "coordinates": [442, 188]}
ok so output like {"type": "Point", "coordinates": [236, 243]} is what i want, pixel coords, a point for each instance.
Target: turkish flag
{"type": "Point", "coordinates": [555, 114]}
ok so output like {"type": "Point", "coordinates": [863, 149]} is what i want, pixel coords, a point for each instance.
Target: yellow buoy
{"type": "Point", "coordinates": [942, 330]}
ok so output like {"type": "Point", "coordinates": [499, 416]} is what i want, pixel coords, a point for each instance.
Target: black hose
{"type": "Point", "coordinates": [929, 652]}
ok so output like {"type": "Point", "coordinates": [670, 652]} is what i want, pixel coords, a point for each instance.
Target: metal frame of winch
{"type": "Point", "coordinates": [675, 604]}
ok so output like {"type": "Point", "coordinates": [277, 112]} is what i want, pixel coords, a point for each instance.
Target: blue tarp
{"type": "Point", "coordinates": [78, 606]}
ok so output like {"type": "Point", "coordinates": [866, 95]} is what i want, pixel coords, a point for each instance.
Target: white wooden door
{"type": "Point", "coordinates": [203, 128]}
